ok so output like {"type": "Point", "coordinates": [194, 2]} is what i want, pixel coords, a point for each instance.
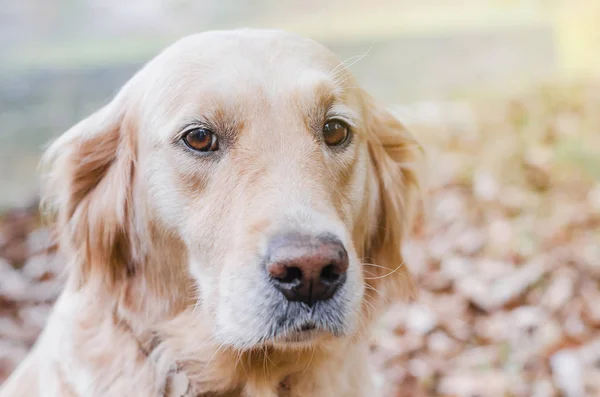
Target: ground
{"type": "Point", "coordinates": [505, 255]}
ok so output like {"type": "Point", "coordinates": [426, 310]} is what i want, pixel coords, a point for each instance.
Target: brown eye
{"type": "Point", "coordinates": [202, 140]}
{"type": "Point", "coordinates": [335, 132]}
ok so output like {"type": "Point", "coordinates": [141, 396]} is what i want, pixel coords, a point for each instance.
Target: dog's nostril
{"type": "Point", "coordinates": [292, 275]}
{"type": "Point", "coordinates": [330, 274]}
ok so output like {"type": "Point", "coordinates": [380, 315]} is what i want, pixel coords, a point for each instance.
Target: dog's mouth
{"type": "Point", "coordinates": [309, 326]}
{"type": "Point", "coordinates": [296, 323]}
{"type": "Point", "coordinates": [299, 337]}
{"type": "Point", "coordinates": [306, 333]}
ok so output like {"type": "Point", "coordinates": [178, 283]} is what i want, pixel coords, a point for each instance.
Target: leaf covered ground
{"type": "Point", "coordinates": [506, 255]}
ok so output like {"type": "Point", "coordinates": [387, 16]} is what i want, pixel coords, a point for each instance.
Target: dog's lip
{"type": "Point", "coordinates": [303, 333]}
{"type": "Point", "coordinates": [308, 326]}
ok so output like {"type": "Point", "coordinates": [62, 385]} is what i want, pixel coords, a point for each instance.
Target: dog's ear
{"type": "Point", "coordinates": [87, 186]}
{"type": "Point", "coordinates": [395, 157]}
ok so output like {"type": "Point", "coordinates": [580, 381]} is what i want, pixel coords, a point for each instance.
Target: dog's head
{"type": "Point", "coordinates": [246, 174]}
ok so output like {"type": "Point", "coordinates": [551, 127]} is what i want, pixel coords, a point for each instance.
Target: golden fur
{"type": "Point", "coordinates": [162, 297]}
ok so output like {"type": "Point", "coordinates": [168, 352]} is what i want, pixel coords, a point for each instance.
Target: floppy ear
{"type": "Point", "coordinates": [89, 172]}
{"type": "Point", "coordinates": [395, 157]}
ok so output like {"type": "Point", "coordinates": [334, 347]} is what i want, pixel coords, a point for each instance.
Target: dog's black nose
{"type": "Point", "coordinates": [307, 269]}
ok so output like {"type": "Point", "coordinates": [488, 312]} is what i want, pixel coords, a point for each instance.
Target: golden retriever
{"type": "Point", "coordinates": [232, 221]}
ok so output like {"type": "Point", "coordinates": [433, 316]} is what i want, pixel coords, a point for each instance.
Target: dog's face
{"type": "Point", "coordinates": [260, 166]}
{"type": "Point", "coordinates": [286, 189]}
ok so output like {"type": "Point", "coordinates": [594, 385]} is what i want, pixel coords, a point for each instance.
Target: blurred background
{"type": "Point", "coordinates": [505, 97]}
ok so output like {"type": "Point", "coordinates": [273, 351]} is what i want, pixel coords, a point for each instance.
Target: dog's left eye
{"type": "Point", "coordinates": [201, 140]}
{"type": "Point", "coordinates": [335, 132]}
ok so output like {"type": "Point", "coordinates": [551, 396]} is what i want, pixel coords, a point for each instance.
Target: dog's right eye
{"type": "Point", "coordinates": [201, 140]}
{"type": "Point", "coordinates": [335, 133]}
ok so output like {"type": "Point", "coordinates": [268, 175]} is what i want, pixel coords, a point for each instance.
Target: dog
{"type": "Point", "coordinates": [232, 221]}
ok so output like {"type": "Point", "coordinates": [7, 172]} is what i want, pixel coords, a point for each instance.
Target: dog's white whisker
{"type": "Point", "coordinates": [387, 274]}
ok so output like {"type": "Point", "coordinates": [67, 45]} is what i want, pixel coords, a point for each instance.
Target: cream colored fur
{"type": "Point", "coordinates": [164, 296]}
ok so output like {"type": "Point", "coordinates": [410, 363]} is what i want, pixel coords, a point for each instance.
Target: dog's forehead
{"type": "Point", "coordinates": [242, 72]}
{"type": "Point", "coordinates": [234, 60]}
{"type": "Point", "coordinates": [268, 47]}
